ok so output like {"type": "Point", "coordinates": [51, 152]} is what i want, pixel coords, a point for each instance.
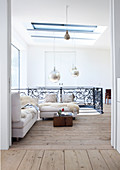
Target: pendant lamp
{"type": "Point", "coordinates": [75, 72]}
{"type": "Point", "coordinates": [67, 36]}
{"type": "Point", "coordinates": [54, 75]}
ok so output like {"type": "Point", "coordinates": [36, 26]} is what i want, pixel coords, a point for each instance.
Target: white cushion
{"type": "Point", "coordinates": [47, 114]}
{"type": "Point", "coordinates": [52, 109]}
{"type": "Point", "coordinates": [66, 98]}
{"type": "Point", "coordinates": [15, 107]}
{"type": "Point", "coordinates": [21, 132]}
{"type": "Point", "coordinates": [28, 110]}
{"type": "Point", "coordinates": [51, 98]}
{"type": "Point", "coordinates": [22, 122]}
{"type": "Point", "coordinates": [28, 100]}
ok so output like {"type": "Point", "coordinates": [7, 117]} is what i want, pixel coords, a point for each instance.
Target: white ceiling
{"type": "Point", "coordinates": [82, 12]}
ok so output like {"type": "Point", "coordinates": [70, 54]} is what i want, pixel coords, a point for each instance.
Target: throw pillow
{"type": "Point", "coordinates": [51, 98]}
{"type": "Point", "coordinates": [66, 98]}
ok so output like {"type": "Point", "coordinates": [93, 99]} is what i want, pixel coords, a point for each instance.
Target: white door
{"type": "Point", "coordinates": [118, 126]}
{"type": "Point", "coordinates": [118, 114]}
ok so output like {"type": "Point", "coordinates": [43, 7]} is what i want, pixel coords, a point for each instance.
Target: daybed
{"type": "Point", "coordinates": [22, 119]}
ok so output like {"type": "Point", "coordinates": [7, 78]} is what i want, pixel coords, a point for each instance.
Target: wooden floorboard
{"type": "Point", "coordinates": [11, 159]}
{"type": "Point", "coordinates": [60, 160]}
{"type": "Point", "coordinates": [97, 160]}
{"type": "Point", "coordinates": [88, 132]}
{"type": "Point", "coordinates": [86, 146]}
{"type": "Point", "coordinates": [32, 160]}
{"type": "Point", "coordinates": [53, 160]}
{"type": "Point", "coordinates": [77, 160]}
{"type": "Point", "coordinates": [112, 159]}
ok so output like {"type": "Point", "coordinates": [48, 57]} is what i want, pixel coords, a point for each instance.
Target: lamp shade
{"type": "Point", "coordinates": [67, 36]}
{"type": "Point", "coordinates": [75, 72]}
{"type": "Point", "coordinates": [54, 76]}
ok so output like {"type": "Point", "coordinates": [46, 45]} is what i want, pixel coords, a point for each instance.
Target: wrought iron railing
{"type": "Point", "coordinates": [84, 96]}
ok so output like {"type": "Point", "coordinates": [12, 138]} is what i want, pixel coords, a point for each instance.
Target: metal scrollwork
{"type": "Point", "coordinates": [98, 104]}
{"type": "Point", "coordinates": [82, 95]}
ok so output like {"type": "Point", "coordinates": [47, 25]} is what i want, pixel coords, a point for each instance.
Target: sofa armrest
{"type": "Point", "coordinates": [15, 107]}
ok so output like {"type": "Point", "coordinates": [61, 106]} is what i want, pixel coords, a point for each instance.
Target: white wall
{"type": "Point", "coordinates": [22, 46]}
{"type": "Point", "coordinates": [35, 67]}
{"type": "Point", "coordinates": [94, 66]}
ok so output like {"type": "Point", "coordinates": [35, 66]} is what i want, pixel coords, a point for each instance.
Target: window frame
{"type": "Point", "coordinates": [12, 45]}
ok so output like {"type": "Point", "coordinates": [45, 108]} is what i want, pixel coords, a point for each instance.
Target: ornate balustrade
{"type": "Point", "coordinates": [84, 96]}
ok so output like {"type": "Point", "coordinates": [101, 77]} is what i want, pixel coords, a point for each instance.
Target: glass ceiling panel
{"type": "Point", "coordinates": [60, 27]}
{"type": "Point", "coordinates": [64, 27]}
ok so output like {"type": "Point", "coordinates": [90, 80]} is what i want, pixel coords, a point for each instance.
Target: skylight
{"type": "Point", "coordinates": [86, 34]}
{"type": "Point", "coordinates": [63, 27]}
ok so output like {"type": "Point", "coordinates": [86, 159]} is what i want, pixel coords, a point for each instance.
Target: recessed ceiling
{"type": "Point", "coordinates": [92, 13]}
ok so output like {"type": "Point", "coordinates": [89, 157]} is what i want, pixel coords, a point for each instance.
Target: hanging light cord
{"type": "Point", "coordinates": [54, 50]}
{"type": "Point", "coordinates": [66, 14]}
{"type": "Point", "coordinates": [75, 54]}
{"type": "Point", "coordinates": [75, 51]}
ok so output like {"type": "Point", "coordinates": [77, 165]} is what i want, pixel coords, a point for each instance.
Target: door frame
{"type": "Point", "coordinates": [7, 124]}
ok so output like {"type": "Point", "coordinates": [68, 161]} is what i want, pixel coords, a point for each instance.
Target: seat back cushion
{"type": "Point", "coordinates": [15, 107]}
{"type": "Point", "coordinates": [66, 98]}
{"type": "Point", "coordinates": [52, 97]}
{"type": "Point", "coordinates": [28, 100]}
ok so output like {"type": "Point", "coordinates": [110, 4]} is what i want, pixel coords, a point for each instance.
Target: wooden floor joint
{"type": "Point", "coordinates": [89, 159]}
{"type": "Point", "coordinates": [22, 159]}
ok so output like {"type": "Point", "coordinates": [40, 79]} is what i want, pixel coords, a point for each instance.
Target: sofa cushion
{"type": "Point", "coordinates": [71, 107]}
{"type": "Point", "coordinates": [66, 98]}
{"type": "Point", "coordinates": [28, 110]}
{"type": "Point", "coordinates": [52, 109]}
{"type": "Point", "coordinates": [47, 114]}
{"type": "Point", "coordinates": [22, 122]}
{"type": "Point", "coordinates": [21, 132]}
{"type": "Point", "coordinates": [28, 100]}
{"type": "Point", "coordinates": [15, 107]}
{"type": "Point", "coordinates": [51, 98]}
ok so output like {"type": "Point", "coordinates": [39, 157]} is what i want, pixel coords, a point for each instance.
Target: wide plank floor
{"type": "Point", "coordinates": [60, 160]}
{"type": "Point", "coordinates": [88, 132]}
{"type": "Point", "coordinates": [86, 146]}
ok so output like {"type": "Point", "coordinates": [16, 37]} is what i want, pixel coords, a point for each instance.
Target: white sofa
{"type": "Point", "coordinates": [51, 106]}
{"type": "Point", "coordinates": [47, 110]}
{"type": "Point", "coordinates": [22, 119]}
